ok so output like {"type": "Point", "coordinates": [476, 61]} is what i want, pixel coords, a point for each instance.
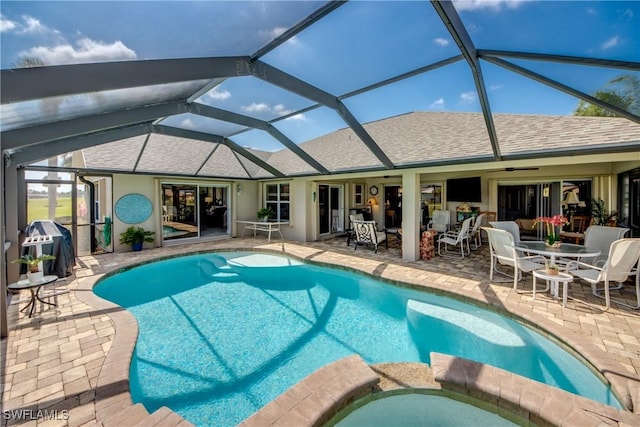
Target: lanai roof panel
{"type": "Point", "coordinates": [223, 163]}
{"type": "Point", "coordinates": [116, 155]}
{"type": "Point", "coordinates": [169, 154]}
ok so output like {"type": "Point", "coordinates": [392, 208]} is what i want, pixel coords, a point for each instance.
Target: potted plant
{"type": "Point", "coordinates": [600, 214]}
{"type": "Point", "coordinates": [33, 265]}
{"type": "Point", "coordinates": [552, 269]}
{"type": "Point", "coordinates": [136, 236]}
{"type": "Point", "coordinates": [265, 213]}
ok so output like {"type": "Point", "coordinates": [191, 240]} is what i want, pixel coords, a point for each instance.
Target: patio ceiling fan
{"type": "Point", "coordinates": [511, 169]}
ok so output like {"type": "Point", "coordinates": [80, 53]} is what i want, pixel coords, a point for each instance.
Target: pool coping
{"type": "Point", "coordinates": [114, 396]}
{"type": "Point", "coordinates": [330, 393]}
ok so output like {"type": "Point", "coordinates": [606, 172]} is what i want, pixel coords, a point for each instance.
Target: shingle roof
{"type": "Point", "coordinates": [414, 138]}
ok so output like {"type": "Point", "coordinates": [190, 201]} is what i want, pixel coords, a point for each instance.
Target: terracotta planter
{"type": "Point", "coordinates": [551, 272]}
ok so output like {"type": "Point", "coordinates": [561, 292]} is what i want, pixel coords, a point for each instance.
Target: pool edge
{"type": "Point", "coordinates": [117, 397]}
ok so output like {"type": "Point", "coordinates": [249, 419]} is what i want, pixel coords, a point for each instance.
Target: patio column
{"type": "Point", "coordinates": [410, 216]}
{"type": "Point", "coordinates": [9, 234]}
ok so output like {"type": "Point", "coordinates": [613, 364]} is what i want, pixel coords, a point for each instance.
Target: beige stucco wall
{"type": "Point", "coordinates": [304, 220]}
{"type": "Point", "coordinates": [128, 184]}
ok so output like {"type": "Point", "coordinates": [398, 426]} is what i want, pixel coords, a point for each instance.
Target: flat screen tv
{"type": "Point", "coordinates": [464, 190]}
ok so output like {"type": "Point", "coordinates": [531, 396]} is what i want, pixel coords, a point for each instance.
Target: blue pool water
{"type": "Point", "coordinates": [223, 334]}
{"type": "Point", "coordinates": [424, 410]}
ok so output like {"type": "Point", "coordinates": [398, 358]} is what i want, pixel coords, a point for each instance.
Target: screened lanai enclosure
{"type": "Point", "coordinates": [261, 89]}
{"type": "Point", "coordinates": [209, 110]}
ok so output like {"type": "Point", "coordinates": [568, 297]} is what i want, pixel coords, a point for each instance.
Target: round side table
{"type": "Point", "coordinates": [34, 288]}
{"type": "Point", "coordinates": [553, 281]}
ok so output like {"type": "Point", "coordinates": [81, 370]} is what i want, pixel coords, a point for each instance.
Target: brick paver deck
{"type": "Point", "coordinates": [68, 365]}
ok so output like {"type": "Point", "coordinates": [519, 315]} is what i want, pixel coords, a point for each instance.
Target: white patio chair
{"type": "Point", "coordinates": [366, 234]}
{"type": "Point", "coordinates": [440, 221]}
{"type": "Point", "coordinates": [601, 237]}
{"type": "Point", "coordinates": [455, 238]}
{"type": "Point", "coordinates": [510, 226]}
{"type": "Point", "coordinates": [474, 234]}
{"type": "Point", "coordinates": [503, 252]}
{"type": "Point", "coordinates": [623, 261]}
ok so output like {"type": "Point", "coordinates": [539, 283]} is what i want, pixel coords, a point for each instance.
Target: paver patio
{"type": "Point", "coordinates": [70, 361]}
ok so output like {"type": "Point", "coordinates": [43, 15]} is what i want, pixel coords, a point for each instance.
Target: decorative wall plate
{"type": "Point", "coordinates": [133, 208]}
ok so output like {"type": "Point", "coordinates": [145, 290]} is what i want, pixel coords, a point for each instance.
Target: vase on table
{"type": "Point", "coordinates": [553, 240]}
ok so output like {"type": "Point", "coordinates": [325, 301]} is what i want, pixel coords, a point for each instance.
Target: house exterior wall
{"type": "Point", "coordinates": [247, 196]}
{"type": "Point", "coordinates": [140, 184]}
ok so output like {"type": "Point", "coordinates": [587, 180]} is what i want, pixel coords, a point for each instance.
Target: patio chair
{"type": "Point", "coordinates": [351, 234]}
{"type": "Point", "coordinates": [440, 221]}
{"type": "Point", "coordinates": [366, 234]}
{"type": "Point", "coordinates": [601, 237]}
{"type": "Point", "coordinates": [503, 252]}
{"type": "Point", "coordinates": [510, 226]}
{"type": "Point", "coordinates": [455, 238]}
{"type": "Point", "coordinates": [474, 234]}
{"type": "Point", "coordinates": [623, 261]}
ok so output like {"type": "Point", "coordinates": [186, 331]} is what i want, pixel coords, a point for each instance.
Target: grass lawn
{"type": "Point", "coordinates": [39, 208]}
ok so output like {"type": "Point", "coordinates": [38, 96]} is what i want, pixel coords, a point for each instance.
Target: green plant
{"type": "Point", "coordinates": [135, 235]}
{"type": "Point", "coordinates": [600, 214]}
{"type": "Point", "coordinates": [33, 262]}
{"type": "Point", "coordinates": [266, 213]}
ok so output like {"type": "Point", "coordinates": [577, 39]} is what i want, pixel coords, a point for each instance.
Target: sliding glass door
{"type": "Point", "coordinates": [194, 211]}
{"type": "Point", "coordinates": [330, 208]}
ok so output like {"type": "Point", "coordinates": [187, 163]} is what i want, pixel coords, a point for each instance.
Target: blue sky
{"type": "Point", "coordinates": [357, 45]}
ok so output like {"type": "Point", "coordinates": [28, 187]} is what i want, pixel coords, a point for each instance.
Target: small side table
{"type": "Point", "coordinates": [34, 288]}
{"type": "Point", "coordinates": [554, 282]}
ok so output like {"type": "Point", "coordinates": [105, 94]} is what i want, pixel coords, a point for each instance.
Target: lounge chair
{"type": "Point", "coordinates": [366, 234]}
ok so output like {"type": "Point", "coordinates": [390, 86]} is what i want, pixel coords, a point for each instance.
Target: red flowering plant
{"type": "Point", "coordinates": [551, 222]}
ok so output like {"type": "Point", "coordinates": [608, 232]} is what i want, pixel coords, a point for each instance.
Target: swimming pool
{"type": "Point", "coordinates": [222, 334]}
{"type": "Point", "coordinates": [419, 409]}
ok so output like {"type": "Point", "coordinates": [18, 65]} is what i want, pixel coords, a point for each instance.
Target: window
{"type": "Point", "coordinates": [278, 199]}
{"type": "Point", "coordinates": [358, 195]}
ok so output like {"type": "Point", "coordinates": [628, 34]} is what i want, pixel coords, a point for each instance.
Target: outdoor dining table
{"type": "Point", "coordinates": [267, 226]}
{"type": "Point", "coordinates": [563, 250]}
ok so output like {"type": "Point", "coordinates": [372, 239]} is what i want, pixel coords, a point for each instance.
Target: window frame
{"type": "Point", "coordinates": [278, 203]}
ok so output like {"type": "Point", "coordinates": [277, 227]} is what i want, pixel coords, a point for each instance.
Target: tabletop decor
{"type": "Point", "coordinates": [265, 213]}
{"type": "Point", "coordinates": [553, 225]}
{"type": "Point", "coordinates": [552, 269]}
{"type": "Point", "coordinates": [33, 265]}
